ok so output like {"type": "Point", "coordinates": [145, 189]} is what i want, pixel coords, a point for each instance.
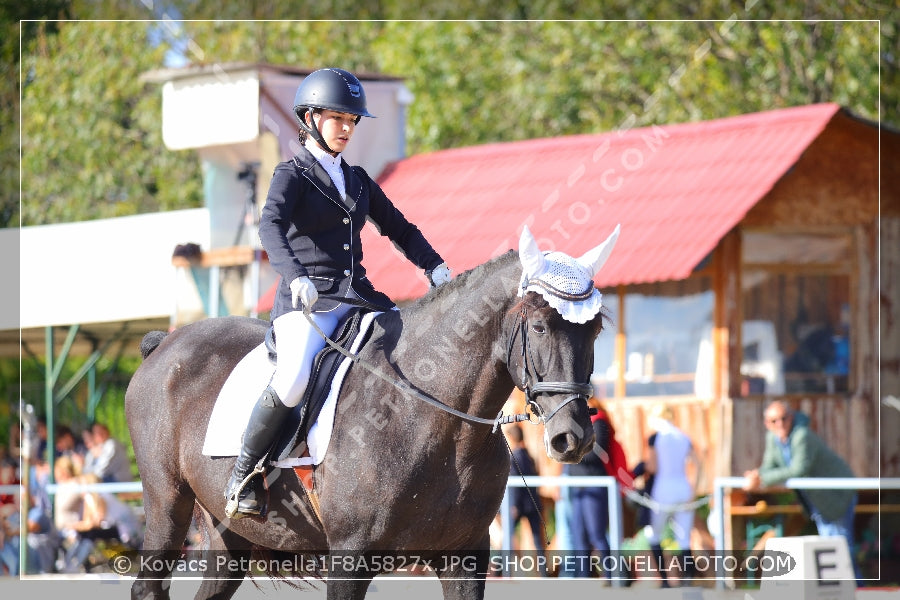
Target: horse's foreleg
{"type": "Point", "coordinates": [167, 510]}
{"type": "Point", "coordinates": [347, 589]}
{"type": "Point", "coordinates": [226, 552]}
{"type": "Point", "coordinates": [346, 580]}
{"type": "Point", "coordinates": [462, 574]}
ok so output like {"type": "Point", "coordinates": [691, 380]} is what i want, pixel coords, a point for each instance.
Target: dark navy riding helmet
{"type": "Point", "coordinates": [331, 89]}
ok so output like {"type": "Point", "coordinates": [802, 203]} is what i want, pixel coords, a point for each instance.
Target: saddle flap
{"type": "Point", "coordinates": [325, 365]}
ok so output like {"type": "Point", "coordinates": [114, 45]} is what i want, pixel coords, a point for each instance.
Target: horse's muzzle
{"type": "Point", "coordinates": [566, 439]}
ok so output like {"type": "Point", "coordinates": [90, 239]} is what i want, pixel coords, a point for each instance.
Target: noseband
{"type": "Point", "coordinates": [532, 384]}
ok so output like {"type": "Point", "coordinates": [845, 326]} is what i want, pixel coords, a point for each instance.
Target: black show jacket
{"type": "Point", "coordinates": [309, 231]}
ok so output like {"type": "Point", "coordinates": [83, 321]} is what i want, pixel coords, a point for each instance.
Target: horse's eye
{"type": "Point", "coordinates": [538, 328]}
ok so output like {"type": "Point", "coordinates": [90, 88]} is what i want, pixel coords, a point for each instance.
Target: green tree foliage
{"type": "Point", "coordinates": [17, 21]}
{"type": "Point", "coordinates": [91, 135]}
{"type": "Point", "coordinates": [91, 138]}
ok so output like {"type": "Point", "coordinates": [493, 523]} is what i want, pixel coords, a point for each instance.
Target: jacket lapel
{"type": "Point", "coordinates": [352, 184]}
{"type": "Point", "coordinates": [318, 176]}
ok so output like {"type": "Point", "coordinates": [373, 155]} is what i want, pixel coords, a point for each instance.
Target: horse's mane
{"type": "Point", "coordinates": [440, 293]}
{"type": "Point", "coordinates": [530, 302]}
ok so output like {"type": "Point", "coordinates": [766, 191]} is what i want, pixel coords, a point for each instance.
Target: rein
{"type": "Point", "coordinates": [405, 388]}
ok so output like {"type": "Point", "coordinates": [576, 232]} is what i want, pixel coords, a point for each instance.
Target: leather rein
{"type": "Point", "coordinates": [531, 380]}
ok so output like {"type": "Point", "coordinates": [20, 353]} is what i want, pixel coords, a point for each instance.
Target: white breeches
{"type": "Point", "coordinates": [296, 344]}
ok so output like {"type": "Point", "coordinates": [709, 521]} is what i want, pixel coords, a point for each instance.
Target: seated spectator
{"type": "Point", "coordinates": [68, 445]}
{"type": "Point", "coordinates": [8, 477]}
{"type": "Point", "coordinates": [68, 506]}
{"type": "Point", "coordinates": [110, 458]}
{"type": "Point", "coordinates": [105, 517]}
{"type": "Point", "coordinates": [87, 439]}
{"type": "Point", "coordinates": [9, 538]}
{"type": "Point", "coordinates": [85, 517]}
{"type": "Point", "coordinates": [40, 447]}
{"type": "Point", "coordinates": [41, 542]}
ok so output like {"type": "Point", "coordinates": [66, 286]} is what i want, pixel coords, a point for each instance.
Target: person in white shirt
{"type": "Point", "coordinates": [670, 452]}
{"type": "Point", "coordinates": [110, 458]}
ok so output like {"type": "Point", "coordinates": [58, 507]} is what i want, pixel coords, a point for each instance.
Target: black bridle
{"type": "Point", "coordinates": [532, 381]}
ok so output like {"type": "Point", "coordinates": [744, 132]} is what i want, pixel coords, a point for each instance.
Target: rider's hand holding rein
{"type": "Point", "coordinates": [303, 291]}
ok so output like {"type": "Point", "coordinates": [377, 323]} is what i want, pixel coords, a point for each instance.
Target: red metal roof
{"type": "Point", "coordinates": [675, 189]}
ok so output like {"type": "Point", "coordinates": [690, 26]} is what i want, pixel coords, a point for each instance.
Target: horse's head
{"type": "Point", "coordinates": [551, 344]}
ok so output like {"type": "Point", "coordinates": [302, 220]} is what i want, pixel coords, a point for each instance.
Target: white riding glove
{"type": "Point", "coordinates": [302, 289]}
{"type": "Point", "coordinates": [440, 275]}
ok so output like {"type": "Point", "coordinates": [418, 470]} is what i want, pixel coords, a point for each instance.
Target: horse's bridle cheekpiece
{"type": "Point", "coordinates": [531, 382]}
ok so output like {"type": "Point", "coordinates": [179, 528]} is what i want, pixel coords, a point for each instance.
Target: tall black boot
{"type": "Point", "coordinates": [246, 490]}
{"type": "Point", "coordinates": [658, 555]}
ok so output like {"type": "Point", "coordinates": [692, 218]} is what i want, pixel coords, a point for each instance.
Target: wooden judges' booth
{"type": "Point", "coordinates": [797, 301]}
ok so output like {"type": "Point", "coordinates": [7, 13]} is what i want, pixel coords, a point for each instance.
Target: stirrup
{"type": "Point", "coordinates": [233, 496]}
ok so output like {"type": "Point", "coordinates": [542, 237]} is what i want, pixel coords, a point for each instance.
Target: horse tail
{"type": "Point", "coordinates": [151, 341]}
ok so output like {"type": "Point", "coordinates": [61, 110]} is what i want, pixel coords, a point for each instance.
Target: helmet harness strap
{"type": "Point", "coordinates": [313, 130]}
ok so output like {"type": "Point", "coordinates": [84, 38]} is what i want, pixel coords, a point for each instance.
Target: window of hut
{"type": "Point", "coordinates": [795, 300]}
{"type": "Point", "coordinates": [666, 328]}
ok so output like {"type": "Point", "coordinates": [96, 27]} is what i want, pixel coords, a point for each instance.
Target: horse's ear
{"type": "Point", "coordinates": [530, 255]}
{"type": "Point", "coordinates": [592, 260]}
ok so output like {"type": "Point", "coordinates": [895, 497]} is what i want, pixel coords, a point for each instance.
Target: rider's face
{"type": "Point", "coordinates": [336, 128]}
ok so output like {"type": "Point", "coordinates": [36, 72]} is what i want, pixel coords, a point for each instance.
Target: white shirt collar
{"type": "Point", "coordinates": [323, 157]}
{"type": "Point", "coordinates": [331, 164]}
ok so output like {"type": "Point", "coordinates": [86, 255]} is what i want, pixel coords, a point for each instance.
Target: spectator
{"type": "Point", "coordinates": [522, 503]}
{"type": "Point", "coordinates": [794, 450]}
{"type": "Point", "coordinates": [110, 459]}
{"type": "Point", "coordinates": [9, 537]}
{"type": "Point", "coordinates": [87, 439]}
{"type": "Point", "coordinates": [42, 545]}
{"type": "Point", "coordinates": [589, 516]}
{"type": "Point", "coordinates": [69, 506]}
{"type": "Point", "coordinates": [8, 477]}
{"type": "Point", "coordinates": [82, 518]}
{"type": "Point", "coordinates": [669, 453]}
{"type": "Point", "coordinates": [15, 449]}
{"type": "Point", "coordinates": [40, 447]}
{"type": "Point", "coordinates": [68, 445]}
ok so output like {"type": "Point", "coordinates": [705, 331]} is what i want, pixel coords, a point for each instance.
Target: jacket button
{"type": "Point", "coordinates": [346, 220]}
{"type": "Point", "coordinates": [347, 272]}
{"type": "Point", "coordinates": [346, 246]}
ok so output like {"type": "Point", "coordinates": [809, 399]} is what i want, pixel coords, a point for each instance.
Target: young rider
{"type": "Point", "coordinates": [310, 227]}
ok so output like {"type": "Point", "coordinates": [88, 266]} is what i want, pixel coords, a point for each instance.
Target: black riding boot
{"type": "Point", "coordinates": [246, 491]}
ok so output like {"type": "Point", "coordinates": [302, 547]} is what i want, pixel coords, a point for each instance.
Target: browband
{"type": "Point", "coordinates": [560, 293]}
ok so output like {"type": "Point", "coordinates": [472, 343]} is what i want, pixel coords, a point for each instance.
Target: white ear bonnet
{"type": "Point", "coordinates": [565, 282]}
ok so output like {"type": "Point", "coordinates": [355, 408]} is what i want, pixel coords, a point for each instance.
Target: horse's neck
{"type": "Point", "coordinates": [459, 335]}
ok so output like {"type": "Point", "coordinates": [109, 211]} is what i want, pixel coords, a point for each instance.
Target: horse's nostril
{"type": "Point", "coordinates": [563, 443]}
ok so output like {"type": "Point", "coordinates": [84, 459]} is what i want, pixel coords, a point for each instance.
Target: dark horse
{"type": "Point", "coordinates": [401, 475]}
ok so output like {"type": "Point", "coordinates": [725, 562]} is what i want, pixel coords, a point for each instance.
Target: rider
{"type": "Point", "coordinates": [310, 227]}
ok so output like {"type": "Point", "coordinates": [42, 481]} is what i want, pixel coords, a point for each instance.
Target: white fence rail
{"type": "Point", "coordinates": [720, 484]}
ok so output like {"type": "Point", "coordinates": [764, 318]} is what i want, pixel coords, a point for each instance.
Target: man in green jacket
{"type": "Point", "coordinates": [795, 450]}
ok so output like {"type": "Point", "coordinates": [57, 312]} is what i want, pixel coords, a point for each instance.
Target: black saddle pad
{"type": "Point", "coordinates": [325, 365]}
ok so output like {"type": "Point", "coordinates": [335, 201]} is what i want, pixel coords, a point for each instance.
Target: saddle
{"type": "Point", "coordinates": [325, 364]}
